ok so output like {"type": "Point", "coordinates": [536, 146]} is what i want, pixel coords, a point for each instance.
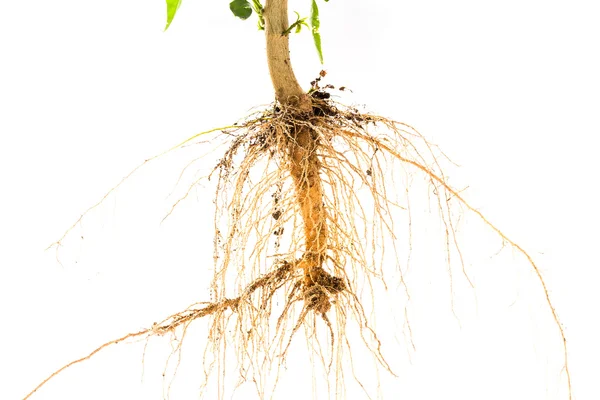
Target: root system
{"type": "Point", "coordinates": [302, 220]}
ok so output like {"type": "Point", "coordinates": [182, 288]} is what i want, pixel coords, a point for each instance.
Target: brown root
{"type": "Point", "coordinates": [303, 217]}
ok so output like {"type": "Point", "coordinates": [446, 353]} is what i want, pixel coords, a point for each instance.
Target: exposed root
{"type": "Point", "coordinates": [56, 245]}
{"type": "Point", "coordinates": [303, 218]}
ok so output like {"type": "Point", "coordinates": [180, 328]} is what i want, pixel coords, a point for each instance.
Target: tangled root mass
{"type": "Point", "coordinates": [302, 221]}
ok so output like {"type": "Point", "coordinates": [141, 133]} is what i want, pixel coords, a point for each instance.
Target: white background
{"type": "Point", "coordinates": [89, 89]}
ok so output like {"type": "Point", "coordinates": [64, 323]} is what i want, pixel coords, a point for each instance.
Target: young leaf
{"type": "Point", "coordinates": [297, 25]}
{"type": "Point", "coordinates": [315, 23]}
{"type": "Point", "coordinates": [172, 6]}
{"type": "Point", "coordinates": [241, 8]}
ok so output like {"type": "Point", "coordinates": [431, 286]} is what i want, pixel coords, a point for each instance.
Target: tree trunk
{"type": "Point", "coordinates": [302, 155]}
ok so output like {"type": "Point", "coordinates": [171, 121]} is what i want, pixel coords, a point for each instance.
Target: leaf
{"type": "Point", "coordinates": [172, 6]}
{"type": "Point", "coordinates": [315, 24]}
{"type": "Point", "coordinates": [241, 8]}
{"type": "Point", "coordinates": [297, 25]}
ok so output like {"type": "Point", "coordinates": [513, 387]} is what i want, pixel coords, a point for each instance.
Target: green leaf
{"type": "Point", "coordinates": [241, 8]}
{"type": "Point", "coordinates": [172, 6]}
{"type": "Point", "coordinates": [297, 25]}
{"type": "Point", "coordinates": [315, 24]}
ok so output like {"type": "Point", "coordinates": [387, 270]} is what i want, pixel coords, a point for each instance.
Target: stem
{"type": "Point", "coordinates": [287, 89]}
